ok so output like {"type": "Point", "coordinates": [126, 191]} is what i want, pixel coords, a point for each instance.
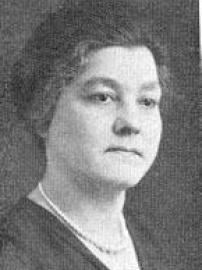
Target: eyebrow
{"type": "Point", "coordinates": [113, 84]}
{"type": "Point", "coordinates": [150, 86]}
{"type": "Point", "coordinates": [93, 81]}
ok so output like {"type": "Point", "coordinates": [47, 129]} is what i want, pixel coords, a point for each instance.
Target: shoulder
{"type": "Point", "coordinates": [159, 244]}
{"type": "Point", "coordinates": [11, 257]}
{"type": "Point", "coordinates": [17, 233]}
{"type": "Point", "coordinates": [31, 238]}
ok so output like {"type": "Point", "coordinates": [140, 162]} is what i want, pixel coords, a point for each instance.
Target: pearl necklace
{"type": "Point", "coordinates": [124, 243]}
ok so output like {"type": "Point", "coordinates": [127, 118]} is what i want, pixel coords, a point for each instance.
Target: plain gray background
{"type": "Point", "coordinates": [167, 196]}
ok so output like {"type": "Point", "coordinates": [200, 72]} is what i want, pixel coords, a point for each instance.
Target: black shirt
{"type": "Point", "coordinates": [32, 238]}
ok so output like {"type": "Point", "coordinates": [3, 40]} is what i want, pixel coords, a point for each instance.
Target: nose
{"type": "Point", "coordinates": [122, 127]}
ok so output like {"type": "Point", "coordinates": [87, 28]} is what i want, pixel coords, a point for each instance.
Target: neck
{"type": "Point", "coordinates": [93, 207]}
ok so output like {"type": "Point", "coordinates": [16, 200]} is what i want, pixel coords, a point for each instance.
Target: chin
{"type": "Point", "coordinates": [125, 183]}
{"type": "Point", "coordinates": [119, 175]}
{"type": "Point", "coordinates": [124, 172]}
{"type": "Point", "coordinates": [121, 181]}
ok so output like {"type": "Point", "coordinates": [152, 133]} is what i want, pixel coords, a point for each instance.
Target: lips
{"type": "Point", "coordinates": [124, 149]}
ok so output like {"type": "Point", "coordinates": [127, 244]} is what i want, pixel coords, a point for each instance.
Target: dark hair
{"type": "Point", "coordinates": [54, 54]}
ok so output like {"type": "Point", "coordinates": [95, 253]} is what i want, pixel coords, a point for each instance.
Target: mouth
{"type": "Point", "coordinates": [125, 150]}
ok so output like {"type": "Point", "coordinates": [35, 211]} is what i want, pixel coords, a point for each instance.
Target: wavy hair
{"type": "Point", "coordinates": [57, 50]}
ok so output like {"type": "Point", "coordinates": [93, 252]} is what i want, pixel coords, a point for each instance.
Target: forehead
{"type": "Point", "coordinates": [128, 66]}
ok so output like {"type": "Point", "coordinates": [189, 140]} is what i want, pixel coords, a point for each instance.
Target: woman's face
{"type": "Point", "coordinates": [107, 125]}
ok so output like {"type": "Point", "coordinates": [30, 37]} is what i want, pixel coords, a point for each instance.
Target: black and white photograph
{"type": "Point", "coordinates": [99, 135]}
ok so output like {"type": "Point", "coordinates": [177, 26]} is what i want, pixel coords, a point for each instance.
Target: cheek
{"type": "Point", "coordinates": [154, 131]}
{"type": "Point", "coordinates": [92, 126]}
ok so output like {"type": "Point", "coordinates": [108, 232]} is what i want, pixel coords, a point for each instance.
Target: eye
{"type": "Point", "coordinates": [149, 102]}
{"type": "Point", "coordinates": [101, 97]}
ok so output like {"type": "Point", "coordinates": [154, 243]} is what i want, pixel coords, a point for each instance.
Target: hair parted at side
{"type": "Point", "coordinates": [55, 53]}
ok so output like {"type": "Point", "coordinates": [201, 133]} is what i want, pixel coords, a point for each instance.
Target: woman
{"type": "Point", "coordinates": [89, 84]}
